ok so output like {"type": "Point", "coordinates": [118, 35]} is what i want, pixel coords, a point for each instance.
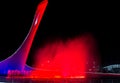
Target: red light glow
{"type": "Point", "coordinates": [65, 59]}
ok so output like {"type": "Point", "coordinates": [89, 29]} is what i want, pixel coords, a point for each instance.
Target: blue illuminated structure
{"type": "Point", "coordinates": [17, 61]}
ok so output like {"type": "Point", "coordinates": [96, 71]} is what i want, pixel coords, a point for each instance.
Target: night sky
{"type": "Point", "coordinates": [63, 19]}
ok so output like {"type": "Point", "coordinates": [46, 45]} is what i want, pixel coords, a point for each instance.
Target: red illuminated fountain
{"type": "Point", "coordinates": [70, 59]}
{"type": "Point", "coordinates": [66, 60]}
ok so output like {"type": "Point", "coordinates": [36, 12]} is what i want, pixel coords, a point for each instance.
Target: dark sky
{"type": "Point", "coordinates": [62, 19]}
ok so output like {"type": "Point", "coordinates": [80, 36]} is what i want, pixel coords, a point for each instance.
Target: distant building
{"type": "Point", "coordinates": [115, 68]}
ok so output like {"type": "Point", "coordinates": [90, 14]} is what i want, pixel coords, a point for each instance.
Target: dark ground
{"type": "Point", "coordinates": [27, 80]}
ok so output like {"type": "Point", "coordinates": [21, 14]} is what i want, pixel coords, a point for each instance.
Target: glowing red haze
{"type": "Point", "coordinates": [66, 59]}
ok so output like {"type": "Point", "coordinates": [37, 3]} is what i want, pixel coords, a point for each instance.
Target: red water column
{"type": "Point", "coordinates": [65, 59]}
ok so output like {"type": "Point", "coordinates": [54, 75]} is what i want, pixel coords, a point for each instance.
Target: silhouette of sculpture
{"type": "Point", "coordinates": [17, 61]}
